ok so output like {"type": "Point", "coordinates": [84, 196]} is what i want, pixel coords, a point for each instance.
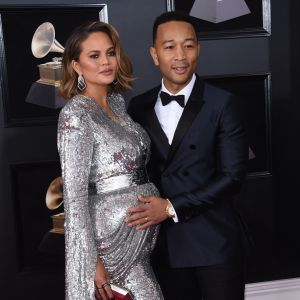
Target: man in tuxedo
{"type": "Point", "coordinates": [198, 162]}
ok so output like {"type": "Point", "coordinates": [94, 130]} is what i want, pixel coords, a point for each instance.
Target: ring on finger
{"type": "Point", "coordinates": [146, 219]}
{"type": "Point", "coordinates": [99, 288]}
{"type": "Point", "coordinates": [105, 284]}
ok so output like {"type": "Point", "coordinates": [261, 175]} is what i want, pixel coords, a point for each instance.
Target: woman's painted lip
{"type": "Point", "coordinates": [106, 72]}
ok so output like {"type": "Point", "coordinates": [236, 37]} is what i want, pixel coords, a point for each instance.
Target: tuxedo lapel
{"type": "Point", "coordinates": [190, 111]}
{"type": "Point", "coordinates": [153, 126]}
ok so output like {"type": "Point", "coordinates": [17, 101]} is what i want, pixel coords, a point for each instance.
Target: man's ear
{"type": "Point", "coordinates": [154, 56]}
{"type": "Point", "coordinates": [76, 67]}
{"type": "Point", "coordinates": [199, 48]}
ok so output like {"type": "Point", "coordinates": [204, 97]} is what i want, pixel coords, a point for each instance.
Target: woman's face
{"type": "Point", "coordinates": [97, 61]}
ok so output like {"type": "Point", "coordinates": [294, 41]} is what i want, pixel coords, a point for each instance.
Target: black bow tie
{"type": "Point", "coordinates": [167, 98]}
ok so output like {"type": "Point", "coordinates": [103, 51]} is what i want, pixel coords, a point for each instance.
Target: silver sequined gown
{"type": "Point", "coordinates": [103, 168]}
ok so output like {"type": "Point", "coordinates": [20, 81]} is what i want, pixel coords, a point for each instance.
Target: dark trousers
{"type": "Point", "coordinates": [218, 282]}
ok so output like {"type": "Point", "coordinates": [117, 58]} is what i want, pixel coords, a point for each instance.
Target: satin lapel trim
{"type": "Point", "coordinates": [190, 112]}
{"type": "Point", "coordinates": [155, 131]}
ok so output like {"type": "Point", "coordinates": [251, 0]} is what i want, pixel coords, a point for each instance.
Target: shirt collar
{"type": "Point", "coordinates": [186, 91]}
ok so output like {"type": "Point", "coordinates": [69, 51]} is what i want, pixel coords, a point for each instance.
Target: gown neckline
{"type": "Point", "coordinates": [118, 121]}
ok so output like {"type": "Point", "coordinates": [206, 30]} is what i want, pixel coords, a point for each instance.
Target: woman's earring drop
{"type": "Point", "coordinates": [81, 83]}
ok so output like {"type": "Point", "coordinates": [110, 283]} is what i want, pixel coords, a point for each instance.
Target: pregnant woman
{"type": "Point", "coordinates": [103, 156]}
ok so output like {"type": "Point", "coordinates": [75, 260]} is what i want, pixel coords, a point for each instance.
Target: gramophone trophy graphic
{"type": "Point", "coordinates": [44, 91]}
{"type": "Point", "coordinates": [53, 240]}
{"type": "Point", "coordinates": [54, 200]}
{"type": "Point", "coordinates": [217, 11]}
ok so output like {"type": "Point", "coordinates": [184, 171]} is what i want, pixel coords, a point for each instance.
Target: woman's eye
{"type": "Point", "coordinates": [94, 56]}
{"type": "Point", "coordinates": [111, 53]}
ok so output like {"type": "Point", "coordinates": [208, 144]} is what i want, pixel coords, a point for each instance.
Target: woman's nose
{"type": "Point", "coordinates": [103, 60]}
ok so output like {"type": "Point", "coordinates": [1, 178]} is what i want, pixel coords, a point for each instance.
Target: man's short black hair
{"type": "Point", "coordinates": [172, 16]}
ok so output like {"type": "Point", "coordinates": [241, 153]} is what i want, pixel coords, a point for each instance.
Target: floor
{"type": "Point", "coordinates": [47, 281]}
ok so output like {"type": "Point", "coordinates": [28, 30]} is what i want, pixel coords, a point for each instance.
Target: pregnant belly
{"type": "Point", "coordinates": [108, 210]}
{"type": "Point", "coordinates": [119, 245]}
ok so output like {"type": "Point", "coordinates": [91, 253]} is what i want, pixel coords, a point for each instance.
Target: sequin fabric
{"type": "Point", "coordinates": [103, 168]}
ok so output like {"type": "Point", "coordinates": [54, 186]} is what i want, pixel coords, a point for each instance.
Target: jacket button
{"type": "Point", "coordinates": [192, 147]}
{"type": "Point", "coordinates": [186, 173]}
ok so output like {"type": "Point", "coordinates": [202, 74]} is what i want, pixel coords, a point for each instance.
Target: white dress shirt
{"type": "Point", "coordinates": [170, 114]}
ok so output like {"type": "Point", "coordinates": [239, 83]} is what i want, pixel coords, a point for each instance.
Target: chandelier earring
{"type": "Point", "coordinates": [81, 83]}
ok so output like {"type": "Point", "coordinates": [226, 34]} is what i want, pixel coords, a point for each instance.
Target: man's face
{"type": "Point", "coordinates": [176, 52]}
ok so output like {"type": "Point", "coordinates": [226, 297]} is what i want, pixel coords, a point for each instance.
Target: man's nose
{"type": "Point", "coordinates": [180, 53]}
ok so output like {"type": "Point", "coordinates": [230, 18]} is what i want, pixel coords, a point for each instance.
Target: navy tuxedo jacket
{"type": "Point", "coordinates": [200, 172]}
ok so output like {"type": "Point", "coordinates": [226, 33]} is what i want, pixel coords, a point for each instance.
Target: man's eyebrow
{"type": "Point", "coordinates": [186, 40]}
{"type": "Point", "coordinates": [167, 41]}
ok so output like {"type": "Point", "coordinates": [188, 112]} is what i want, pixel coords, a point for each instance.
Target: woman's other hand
{"type": "Point", "coordinates": [102, 285]}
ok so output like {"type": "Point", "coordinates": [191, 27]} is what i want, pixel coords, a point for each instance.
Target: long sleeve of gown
{"type": "Point", "coordinates": [75, 145]}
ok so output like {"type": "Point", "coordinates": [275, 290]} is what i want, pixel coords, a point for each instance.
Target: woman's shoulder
{"type": "Point", "coordinates": [117, 101]}
{"type": "Point", "coordinates": [76, 111]}
{"type": "Point", "coordinates": [79, 104]}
